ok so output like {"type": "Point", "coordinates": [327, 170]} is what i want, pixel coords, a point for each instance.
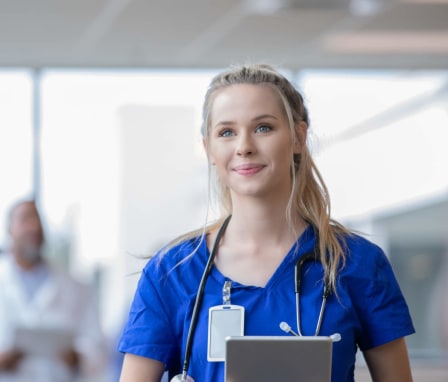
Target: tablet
{"type": "Point", "coordinates": [278, 358]}
{"type": "Point", "coordinates": [42, 341]}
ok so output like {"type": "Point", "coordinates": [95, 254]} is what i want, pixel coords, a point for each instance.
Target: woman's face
{"type": "Point", "coordinates": [250, 141]}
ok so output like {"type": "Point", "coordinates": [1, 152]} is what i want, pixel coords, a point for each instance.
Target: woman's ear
{"type": "Point", "coordinates": [301, 133]}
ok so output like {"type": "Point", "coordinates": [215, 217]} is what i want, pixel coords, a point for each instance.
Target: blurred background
{"type": "Point", "coordinates": [100, 104]}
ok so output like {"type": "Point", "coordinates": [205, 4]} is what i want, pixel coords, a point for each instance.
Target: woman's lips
{"type": "Point", "coordinates": [248, 169]}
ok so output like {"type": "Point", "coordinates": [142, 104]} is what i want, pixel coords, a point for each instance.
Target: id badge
{"type": "Point", "coordinates": [223, 321]}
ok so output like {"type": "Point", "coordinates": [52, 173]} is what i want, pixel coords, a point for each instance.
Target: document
{"type": "Point", "coordinates": [43, 341]}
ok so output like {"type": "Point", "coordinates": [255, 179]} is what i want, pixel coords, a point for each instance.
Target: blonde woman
{"type": "Point", "coordinates": [275, 209]}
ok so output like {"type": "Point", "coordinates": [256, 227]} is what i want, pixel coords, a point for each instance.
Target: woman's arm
{"type": "Point", "coordinates": [141, 369]}
{"type": "Point", "coordinates": [389, 362]}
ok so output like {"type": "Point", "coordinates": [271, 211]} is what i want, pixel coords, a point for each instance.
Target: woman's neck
{"type": "Point", "coordinates": [262, 222]}
{"type": "Point", "coordinates": [255, 243]}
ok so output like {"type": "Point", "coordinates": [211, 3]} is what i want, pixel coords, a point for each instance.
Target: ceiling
{"type": "Point", "coordinates": [403, 34]}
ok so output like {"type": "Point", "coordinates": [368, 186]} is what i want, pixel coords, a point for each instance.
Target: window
{"type": "Point", "coordinates": [16, 140]}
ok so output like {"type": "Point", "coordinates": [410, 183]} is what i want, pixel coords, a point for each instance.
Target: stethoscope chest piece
{"type": "Point", "coordinates": [182, 378]}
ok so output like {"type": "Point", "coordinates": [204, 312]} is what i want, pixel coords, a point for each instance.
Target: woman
{"type": "Point", "coordinates": [277, 208]}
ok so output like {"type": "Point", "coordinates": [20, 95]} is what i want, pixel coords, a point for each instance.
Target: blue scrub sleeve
{"type": "Point", "coordinates": [381, 307]}
{"type": "Point", "coordinates": [148, 332]}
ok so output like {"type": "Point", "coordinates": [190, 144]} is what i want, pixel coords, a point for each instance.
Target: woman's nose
{"type": "Point", "coordinates": [245, 145]}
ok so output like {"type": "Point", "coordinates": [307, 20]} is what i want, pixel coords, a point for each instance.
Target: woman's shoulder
{"type": "Point", "coordinates": [177, 253]}
{"type": "Point", "coordinates": [357, 243]}
{"type": "Point", "coordinates": [363, 255]}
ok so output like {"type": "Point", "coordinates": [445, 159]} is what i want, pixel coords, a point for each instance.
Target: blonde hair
{"type": "Point", "coordinates": [309, 198]}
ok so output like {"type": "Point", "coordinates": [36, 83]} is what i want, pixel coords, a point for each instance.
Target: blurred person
{"type": "Point", "coordinates": [36, 295]}
{"type": "Point", "coordinates": [275, 212]}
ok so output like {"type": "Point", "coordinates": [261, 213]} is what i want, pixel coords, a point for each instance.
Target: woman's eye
{"type": "Point", "coordinates": [226, 133]}
{"type": "Point", "coordinates": [263, 129]}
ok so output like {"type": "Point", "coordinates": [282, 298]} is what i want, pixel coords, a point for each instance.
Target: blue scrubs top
{"type": "Point", "coordinates": [369, 310]}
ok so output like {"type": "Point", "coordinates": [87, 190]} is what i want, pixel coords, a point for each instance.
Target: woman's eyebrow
{"type": "Point", "coordinates": [263, 116]}
{"type": "Point", "coordinates": [257, 118]}
{"type": "Point", "coordinates": [222, 123]}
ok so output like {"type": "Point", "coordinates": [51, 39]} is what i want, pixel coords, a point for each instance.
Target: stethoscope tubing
{"type": "Point", "coordinates": [309, 257]}
{"type": "Point", "coordinates": [199, 298]}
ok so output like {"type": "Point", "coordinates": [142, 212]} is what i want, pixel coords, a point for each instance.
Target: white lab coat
{"type": "Point", "coordinates": [61, 302]}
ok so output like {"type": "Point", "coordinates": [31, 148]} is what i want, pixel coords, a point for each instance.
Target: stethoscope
{"type": "Point", "coordinates": [184, 377]}
{"type": "Point", "coordinates": [308, 257]}
{"type": "Point", "coordinates": [312, 256]}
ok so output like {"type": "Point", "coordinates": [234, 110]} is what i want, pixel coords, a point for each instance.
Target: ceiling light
{"type": "Point", "coordinates": [366, 7]}
{"type": "Point", "coordinates": [264, 7]}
